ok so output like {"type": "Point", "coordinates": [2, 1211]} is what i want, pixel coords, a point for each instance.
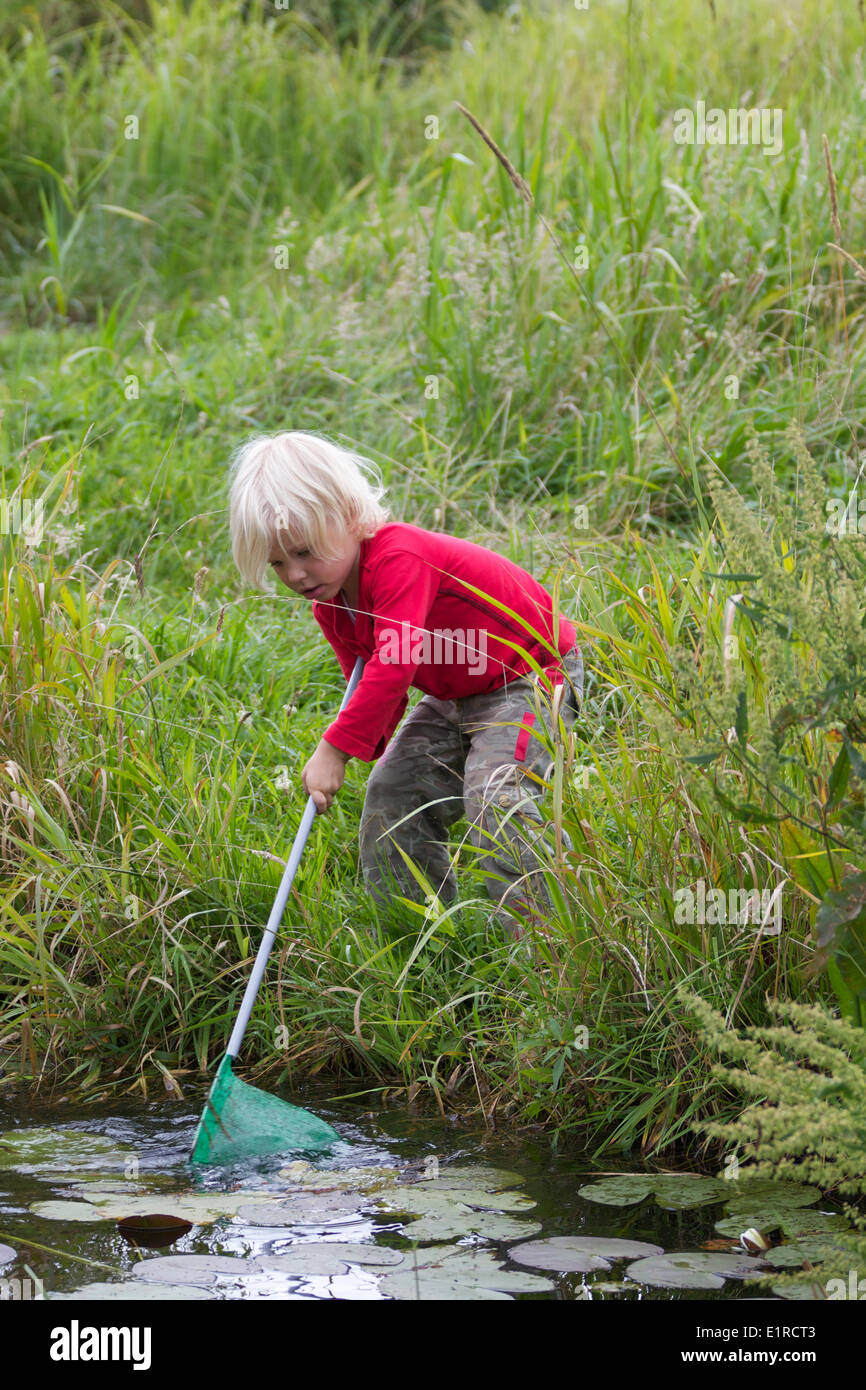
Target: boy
{"type": "Point", "coordinates": [423, 608]}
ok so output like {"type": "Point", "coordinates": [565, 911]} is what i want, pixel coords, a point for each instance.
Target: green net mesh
{"type": "Point", "coordinates": [240, 1121]}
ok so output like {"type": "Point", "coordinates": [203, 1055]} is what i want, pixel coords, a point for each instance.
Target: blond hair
{"type": "Point", "coordinates": [300, 485]}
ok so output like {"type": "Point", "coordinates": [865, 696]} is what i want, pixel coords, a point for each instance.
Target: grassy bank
{"type": "Point", "coordinates": [212, 226]}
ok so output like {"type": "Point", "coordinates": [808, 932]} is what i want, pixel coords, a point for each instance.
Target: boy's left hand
{"type": "Point", "coordinates": [324, 774]}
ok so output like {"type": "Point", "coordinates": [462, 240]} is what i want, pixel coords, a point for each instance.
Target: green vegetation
{"type": "Point", "coordinates": [808, 1074]}
{"type": "Point", "coordinates": [213, 223]}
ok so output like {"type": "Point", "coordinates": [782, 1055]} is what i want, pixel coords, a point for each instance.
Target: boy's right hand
{"type": "Point", "coordinates": [324, 775]}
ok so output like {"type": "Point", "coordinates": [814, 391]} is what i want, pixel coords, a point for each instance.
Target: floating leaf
{"type": "Point", "coordinates": [134, 1290]}
{"type": "Point", "coordinates": [72, 1211]}
{"type": "Point", "coordinates": [668, 1276]}
{"type": "Point", "coordinates": [692, 1269]}
{"type": "Point", "coordinates": [617, 1192]}
{"type": "Point", "coordinates": [154, 1230]}
{"type": "Point", "coordinates": [490, 1201]}
{"type": "Point", "coordinates": [154, 1183]}
{"type": "Point", "coordinates": [194, 1269]}
{"type": "Point", "coordinates": [47, 1150]}
{"type": "Point", "coordinates": [463, 1221]}
{"type": "Point", "coordinates": [810, 1293]}
{"type": "Point", "coordinates": [476, 1175]}
{"type": "Point", "coordinates": [563, 1260]}
{"type": "Point", "coordinates": [453, 1273]}
{"type": "Point", "coordinates": [330, 1258]}
{"type": "Point", "coordinates": [792, 1255]}
{"type": "Point", "coordinates": [579, 1254]}
{"type": "Point", "coordinates": [198, 1207]}
{"type": "Point", "coordinates": [304, 1175]}
{"type": "Point", "coordinates": [308, 1209]}
{"type": "Point", "coordinates": [764, 1218]}
{"type": "Point", "coordinates": [802, 1222]}
{"type": "Point", "coordinates": [746, 1191]}
{"type": "Point", "coordinates": [437, 1285]}
{"type": "Point", "coordinates": [675, 1192]}
{"type": "Point", "coordinates": [433, 1201]}
{"type": "Point", "coordinates": [482, 1266]}
{"type": "Point", "coordinates": [7, 1254]}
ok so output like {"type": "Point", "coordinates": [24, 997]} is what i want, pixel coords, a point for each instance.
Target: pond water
{"type": "Point", "coordinates": [403, 1207]}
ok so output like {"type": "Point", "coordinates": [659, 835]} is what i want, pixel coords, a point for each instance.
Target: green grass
{"type": "Point", "coordinates": [157, 716]}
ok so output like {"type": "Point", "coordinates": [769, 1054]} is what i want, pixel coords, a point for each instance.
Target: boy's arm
{"type": "Point", "coordinates": [403, 590]}
{"type": "Point", "coordinates": [347, 659]}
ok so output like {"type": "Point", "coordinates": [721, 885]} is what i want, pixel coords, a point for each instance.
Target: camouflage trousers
{"type": "Point", "coordinates": [480, 756]}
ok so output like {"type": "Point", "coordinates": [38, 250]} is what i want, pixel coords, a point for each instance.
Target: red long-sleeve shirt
{"type": "Point", "coordinates": [422, 621]}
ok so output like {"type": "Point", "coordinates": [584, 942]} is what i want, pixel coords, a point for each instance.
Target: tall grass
{"type": "Point", "coordinates": [704, 262]}
{"type": "Point", "coordinates": [157, 717]}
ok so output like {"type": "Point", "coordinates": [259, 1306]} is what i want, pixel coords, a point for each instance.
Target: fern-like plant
{"type": "Point", "coordinates": [806, 1077]}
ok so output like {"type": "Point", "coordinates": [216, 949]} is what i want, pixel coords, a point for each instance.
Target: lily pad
{"type": "Point", "coordinates": [154, 1231]}
{"type": "Point", "coordinates": [194, 1269]}
{"type": "Point", "coordinates": [675, 1191]}
{"type": "Point", "coordinates": [672, 1191]}
{"type": "Point", "coordinates": [693, 1269]}
{"type": "Point", "coordinates": [764, 1218]}
{"type": "Point", "coordinates": [72, 1211]}
{"type": "Point", "coordinates": [304, 1175]}
{"type": "Point", "coordinates": [427, 1201]}
{"type": "Point", "coordinates": [802, 1222]}
{"type": "Point", "coordinates": [463, 1221]}
{"type": "Point", "coordinates": [308, 1209]}
{"type": "Point", "coordinates": [330, 1258]}
{"type": "Point", "coordinates": [490, 1201]}
{"type": "Point", "coordinates": [47, 1151]}
{"type": "Point", "coordinates": [563, 1260]}
{"type": "Point", "coordinates": [617, 1192]}
{"type": "Point", "coordinates": [792, 1255]}
{"type": "Point", "coordinates": [476, 1176]}
{"type": "Point", "coordinates": [134, 1290]}
{"type": "Point", "coordinates": [482, 1266]}
{"type": "Point", "coordinates": [7, 1254]}
{"type": "Point", "coordinates": [664, 1275]}
{"type": "Point", "coordinates": [579, 1254]}
{"type": "Point", "coordinates": [453, 1273]}
{"type": "Point", "coordinates": [198, 1207]}
{"type": "Point", "coordinates": [155, 1183]}
{"type": "Point", "coordinates": [745, 1191]}
{"type": "Point", "coordinates": [809, 1293]}
{"type": "Point", "coordinates": [437, 1285]}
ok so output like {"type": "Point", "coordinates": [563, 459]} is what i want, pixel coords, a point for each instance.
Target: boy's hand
{"type": "Point", "coordinates": [323, 775]}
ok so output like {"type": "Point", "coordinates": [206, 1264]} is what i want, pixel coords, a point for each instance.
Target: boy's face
{"type": "Point", "coordinates": [311, 577]}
